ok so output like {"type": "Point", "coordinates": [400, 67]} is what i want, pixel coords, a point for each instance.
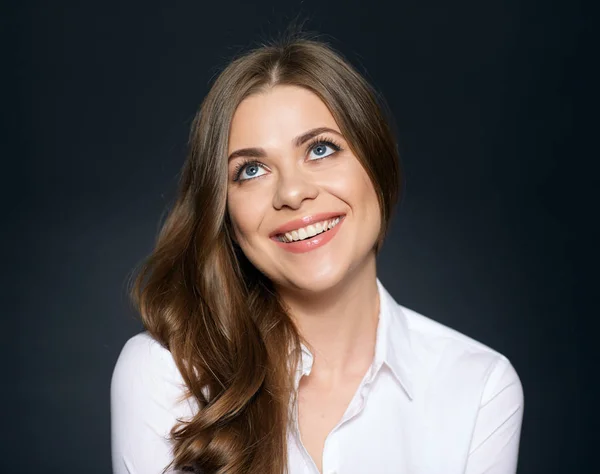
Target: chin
{"type": "Point", "coordinates": [313, 282]}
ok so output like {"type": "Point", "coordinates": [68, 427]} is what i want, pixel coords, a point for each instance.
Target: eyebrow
{"type": "Point", "coordinates": [298, 141]}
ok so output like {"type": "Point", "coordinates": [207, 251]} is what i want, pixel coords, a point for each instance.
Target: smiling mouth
{"type": "Point", "coordinates": [309, 231]}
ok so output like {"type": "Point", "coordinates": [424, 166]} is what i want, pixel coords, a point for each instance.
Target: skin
{"type": "Point", "coordinates": [331, 291]}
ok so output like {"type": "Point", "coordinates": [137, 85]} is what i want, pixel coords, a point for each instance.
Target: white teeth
{"type": "Point", "coordinates": [309, 231]}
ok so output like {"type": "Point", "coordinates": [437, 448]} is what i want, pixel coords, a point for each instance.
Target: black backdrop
{"type": "Point", "coordinates": [489, 102]}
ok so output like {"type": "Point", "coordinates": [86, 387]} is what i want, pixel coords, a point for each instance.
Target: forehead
{"type": "Point", "coordinates": [279, 113]}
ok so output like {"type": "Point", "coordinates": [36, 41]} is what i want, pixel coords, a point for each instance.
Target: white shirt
{"type": "Point", "coordinates": [432, 401]}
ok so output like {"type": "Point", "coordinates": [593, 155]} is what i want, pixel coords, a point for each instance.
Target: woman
{"type": "Point", "coordinates": [271, 344]}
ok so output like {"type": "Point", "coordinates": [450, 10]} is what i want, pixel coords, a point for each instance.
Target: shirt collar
{"type": "Point", "coordinates": [392, 346]}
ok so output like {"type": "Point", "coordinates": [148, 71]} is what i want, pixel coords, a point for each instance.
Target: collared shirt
{"type": "Point", "coordinates": [433, 401]}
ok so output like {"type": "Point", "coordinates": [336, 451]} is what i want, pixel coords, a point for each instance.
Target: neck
{"type": "Point", "coordinates": [339, 325]}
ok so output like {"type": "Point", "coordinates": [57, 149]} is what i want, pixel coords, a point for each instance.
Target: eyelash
{"type": "Point", "coordinates": [311, 145]}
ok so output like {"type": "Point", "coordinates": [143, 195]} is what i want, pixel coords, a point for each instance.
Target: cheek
{"type": "Point", "coordinates": [237, 213]}
{"type": "Point", "coordinates": [246, 213]}
{"type": "Point", "coordinates": [370, 214]}
{"type": "Point", "coordinates": [370, 198]}
{"type": "Point", "coordinates": [352, 184]}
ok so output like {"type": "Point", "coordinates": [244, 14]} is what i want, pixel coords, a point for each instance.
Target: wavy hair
{"type": "Point", "coordinates": [227, 329]}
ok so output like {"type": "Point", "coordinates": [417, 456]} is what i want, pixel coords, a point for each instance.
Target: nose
{"type": "Point", "coordinates": [293, 187]}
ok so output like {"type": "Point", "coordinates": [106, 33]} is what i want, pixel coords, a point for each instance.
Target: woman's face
{"type": "Point", "coordinates": [289, 166]}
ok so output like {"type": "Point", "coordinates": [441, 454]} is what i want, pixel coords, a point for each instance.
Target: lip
{"type": "Point", "coordinates": [311, 243]}
{"type": "Point", "coordinates": [303, 222]}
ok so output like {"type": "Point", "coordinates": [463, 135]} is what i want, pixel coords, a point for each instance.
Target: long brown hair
{"type": "Point", "coordinates": [224, 324]}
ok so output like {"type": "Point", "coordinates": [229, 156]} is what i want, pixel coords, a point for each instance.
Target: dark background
{"type": "Point", "coordinates": [491, 103]}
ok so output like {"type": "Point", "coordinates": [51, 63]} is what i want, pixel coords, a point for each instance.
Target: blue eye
{"type": "Point", "coordinates": [250, 168]}
{"type": "Point", "coordinates": [321, 148]}
{"type": "Point", "coordinates": [318, 148]}
{"type": "Point", "coordinates": [320, 151]}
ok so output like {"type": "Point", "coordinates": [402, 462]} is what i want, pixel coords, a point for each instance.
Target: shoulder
{"type": "Point", "coordinates": [468, 396]}
{"type": "Point", "coordinates": [143, 348]}
{"type": "Point", "coordinates": [429, 331]}
{"type": "Point", "coordinates": [147, 383]}
{"type": "Point", "coordinates": [143, 361]}
{"type": "Point", "coordinates": [447, 356]}
{"type": "Point", "coordinates": [147, 396]}
{"type": "Point", "coordinates": [146, 373]}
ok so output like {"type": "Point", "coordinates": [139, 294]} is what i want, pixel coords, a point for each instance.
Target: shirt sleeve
{"type": "Point", "coordinates": [144, 392]}
{"type": "Point", "coordinates": [495, 443]}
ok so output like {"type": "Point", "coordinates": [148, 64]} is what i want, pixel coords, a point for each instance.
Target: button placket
{"type": "Point", "coordinates": [305, 368]}
{"type": "Point", "coordinates": [309, 463]}
{"type": "Point", "coordinates": [331, 454]}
